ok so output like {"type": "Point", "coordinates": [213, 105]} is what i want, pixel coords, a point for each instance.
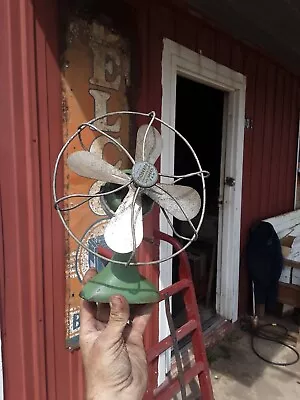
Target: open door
{"type": "Point", "coordinates": [200, 121]}
{"type": "Point", "coordinates": [212, 96]}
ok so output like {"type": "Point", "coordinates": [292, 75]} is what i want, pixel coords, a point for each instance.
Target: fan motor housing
{"type": "Point", "coordinates": [111, 202]}
{"type": "Point", "coordinates": [144, 174]}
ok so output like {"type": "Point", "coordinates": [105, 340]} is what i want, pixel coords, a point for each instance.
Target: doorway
{"type": "Point", "coordinates": [200, 121]}
{"type": "Point", "coordinates": [177, 61]}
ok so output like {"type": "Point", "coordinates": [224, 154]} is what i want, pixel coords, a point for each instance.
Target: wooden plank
{"type": "Point", "coordinates": [21, 276]}
{"type": "Point", "coordinates": [289, 294]}
{"type": "Point", "coordinates": [267, 142]}
{"type": "Point", "coordinates": [143, 26]}
{"type": "Point", "coordinates": [286, 224]}
{"type": "Point", "coordinates": [283, 202]}
{"type": "Point", "coordinates": [296, 276]}
{"type": "Point", "coordinates": [206, 41]}
{"type": "Point", "coordinates": [293, 146]}
{"type": "Point", "coordinates": [237, 57]}
{"type": "Point", "coordinates": [223, 50]}
{"type": "Point", "coordinates": [47, 93]}
{"type": "Point", "coordinates": [291, 263]}
{"type": "Point", "coordinates": [2, 288]}
{"type": "Point", "coordinates": [257, 161]}
{"type": "Point", "coordinates": [274, 205]}
{"type": "Point", "coordinates": [142, 18]}
{"type": "Point", "coordinates": [186, 30]}
{"type": "Point", "coordinates": [160, 25]}
{"type": "Point", "coordinates": [250, 71]}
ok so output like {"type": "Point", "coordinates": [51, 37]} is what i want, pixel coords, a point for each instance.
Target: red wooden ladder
{"type": "Point", "coordinates": [170, 387]}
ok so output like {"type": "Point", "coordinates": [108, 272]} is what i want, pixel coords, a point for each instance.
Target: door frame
{"type": "Point", "coordinates": [178, 60]}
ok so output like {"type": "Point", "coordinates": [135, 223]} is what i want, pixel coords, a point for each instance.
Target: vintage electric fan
{"type": "Point", "coordinates": [127, 196]}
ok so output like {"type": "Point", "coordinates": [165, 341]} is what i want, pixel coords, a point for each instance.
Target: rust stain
{"type": "Point", "coordinates": [95, 77]}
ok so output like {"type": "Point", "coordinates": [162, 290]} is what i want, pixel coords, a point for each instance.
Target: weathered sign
{"type": "Point", "coordinates": [95, 79]}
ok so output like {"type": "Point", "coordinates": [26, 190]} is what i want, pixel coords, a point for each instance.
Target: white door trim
{"type": "Point", "coordinates": [178, 60]}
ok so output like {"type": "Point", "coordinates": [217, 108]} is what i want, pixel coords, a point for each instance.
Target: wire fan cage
{"type": "Point", "coordinates": [144, 179]}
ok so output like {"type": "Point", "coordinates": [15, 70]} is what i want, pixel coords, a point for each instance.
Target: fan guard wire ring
{"type": "Point", "coordinates": [88, 197]}
{"type": "Point", "coordinates": [137, 192]}
{"type": "Point", "coordinates": [201, 173]}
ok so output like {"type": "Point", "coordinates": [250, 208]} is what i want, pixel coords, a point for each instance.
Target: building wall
{"type": "Point", "coordinates": [270, 147]}
{"type": "Point", "coordinates": [36, 364]}
{"type": "Point", "coordinates": [32, 282]}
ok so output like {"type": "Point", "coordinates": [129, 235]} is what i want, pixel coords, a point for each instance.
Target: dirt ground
{"type": "Point", "coordinates": [238, 374]}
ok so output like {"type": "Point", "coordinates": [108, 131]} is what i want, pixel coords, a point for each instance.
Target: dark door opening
{"type": "Point", "coordinates": [199, 118]}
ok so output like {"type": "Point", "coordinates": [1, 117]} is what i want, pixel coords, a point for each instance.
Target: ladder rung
{"type": "Point", "coordinates": [169, 388]}
{"type": "Point", "coordinates": [175, 288]}
{"type": "Point", "coordinates": [164, 344]}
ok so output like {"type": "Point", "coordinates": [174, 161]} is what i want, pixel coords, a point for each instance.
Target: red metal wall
{"type": "Point", "coordinates": [270, 148]}
{"type": "Point", "coordinates": [36, 365]}
{"type": "Point", "coordinates": [32, 282]}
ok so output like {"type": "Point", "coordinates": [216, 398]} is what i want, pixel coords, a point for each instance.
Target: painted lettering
{"type": "Point", "coordinates": [76, 322]}
{"type": "Point", "coordinates": [101, 98]}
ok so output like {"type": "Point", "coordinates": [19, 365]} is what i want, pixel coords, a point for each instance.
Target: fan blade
{"type": "Point", "coordinates": [91, 165]}
{"type": "Point", "coordinates": [118, 233]}
{"type": "Point", "coordinates": [153, 144]}
{"type": "Point", "coordinates": [165, 195]}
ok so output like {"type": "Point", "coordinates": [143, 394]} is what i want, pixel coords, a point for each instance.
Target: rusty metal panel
{"type": "Point", "coordinates": [96, 77]}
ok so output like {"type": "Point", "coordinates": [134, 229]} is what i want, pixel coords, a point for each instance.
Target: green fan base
{"type": "Point", "coordinates": [118, 279]}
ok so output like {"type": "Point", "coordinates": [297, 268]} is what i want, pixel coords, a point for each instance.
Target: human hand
{"type": "Point", "coordinates": [112, 350]}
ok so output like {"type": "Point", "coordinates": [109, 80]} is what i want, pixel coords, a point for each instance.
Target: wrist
{"type": "Point", "coordinates": [104, 395]}
{"type": "Point", "coordinates": [108, 395]}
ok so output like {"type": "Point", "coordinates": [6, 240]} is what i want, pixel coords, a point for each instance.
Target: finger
{"type": "Point", "coordinates": [87, 317]}
{"type": "Point", "coordinates": [87, 309]}
{"type": "Point", "coordinates": [91, 272]}
{"type": "Point", "coordinates": [103, 311]}
{"type": "Point", "coordinates": [141, 318]}
{"type": "Point", "coordinates": [119, 315]}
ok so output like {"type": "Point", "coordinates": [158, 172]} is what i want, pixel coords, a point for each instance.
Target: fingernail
{"type": "Point", "coordinates": [115, 301]}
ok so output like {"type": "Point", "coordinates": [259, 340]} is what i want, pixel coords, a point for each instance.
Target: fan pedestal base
{"type": "Point", "coordinates": [117, 279]}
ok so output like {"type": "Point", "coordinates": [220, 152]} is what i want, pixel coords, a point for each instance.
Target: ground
{"type": "Point", "coordinates": [237, 373]}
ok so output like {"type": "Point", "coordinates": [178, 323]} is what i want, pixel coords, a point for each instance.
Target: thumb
{"type": "Point", "coordinates": [87, 309]}
{"type": "Point", "coordinates": [119, 315]}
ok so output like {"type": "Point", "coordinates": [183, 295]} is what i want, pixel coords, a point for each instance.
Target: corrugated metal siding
{"type": "Point", "coordinates": [21, 276]}
{"type": "Point", "coordinates": [64, 377]}
{"type": "Point", "coordinates": [37, 366]}
{"type": "Point", "coordinates": [271, 102]}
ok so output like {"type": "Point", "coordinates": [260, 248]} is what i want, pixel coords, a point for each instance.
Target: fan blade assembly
{"type": "Point", "coordinates": [126, 196]}
{"type": "Point", "coordinates": [175, 199]}
{"type": "Point", "coordinates": [153, 144]}
{"type": "Point", "coordinates": [119, 233]}
{"type": "Point", "coordinates": [91, 165]}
